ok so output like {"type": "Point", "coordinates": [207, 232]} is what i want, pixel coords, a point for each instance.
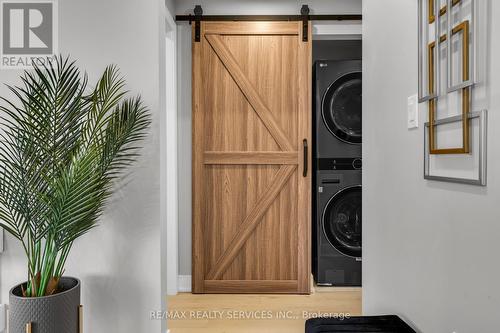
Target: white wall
{"type": "Point", "coordinates": [12, 263]}
{"type": "Point", "coordinates": [429, 249]}
{"type": "Point", "coordinates": [118, 262]}
{"type": "Point", "coordinates": [221, 7]}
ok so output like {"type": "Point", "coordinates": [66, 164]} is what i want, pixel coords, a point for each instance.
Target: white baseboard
{"type": "Point", "coordinates": [184, 283]}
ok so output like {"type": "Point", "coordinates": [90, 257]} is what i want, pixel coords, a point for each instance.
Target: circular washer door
{"type": "Point", "coordinates": [342, 108]}
{"type": "Point", "coordinates": [342, 221]}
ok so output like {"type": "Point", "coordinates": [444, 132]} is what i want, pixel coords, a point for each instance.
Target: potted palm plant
{"type": "Point", "coordinates": [62, 147]}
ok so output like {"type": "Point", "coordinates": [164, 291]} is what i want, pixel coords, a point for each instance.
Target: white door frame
{"type": "Point", "coordinates": [170, 195]}
{"type": "Point", "coordinates": [167, 52]}
{"type": "Point", "coordinates": [171, 151]}
{"type": "Point", "coordinates": [168, 134]}
{"type": "Point", "coordinates": [337, 30]}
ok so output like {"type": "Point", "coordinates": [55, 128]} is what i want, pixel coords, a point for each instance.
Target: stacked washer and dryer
{"type": "Point", "coordinates": [337, 176]}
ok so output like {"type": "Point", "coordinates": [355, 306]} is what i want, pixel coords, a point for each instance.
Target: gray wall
{"type": "Point", "coordinates": [270, 7]}
{"type": "Point", "coordinates": [430, 249]}
{"type": "Point", "coordinates": [118, 262]}
{"type": "Point", "coordinates": [170, 4]}
{"type": "Point", "coordinates": [184, 145]}
{"type": "Point", "coordinates": [184, 84]}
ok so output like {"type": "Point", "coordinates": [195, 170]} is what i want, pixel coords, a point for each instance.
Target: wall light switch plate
{"type": "Point", "coordinates": [413, 111]}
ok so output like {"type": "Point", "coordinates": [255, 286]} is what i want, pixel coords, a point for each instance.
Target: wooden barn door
{"type": "Point", "coordinates": [251, 186]}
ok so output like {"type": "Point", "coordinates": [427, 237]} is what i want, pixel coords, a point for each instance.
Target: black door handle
{"type": "Point", "coordinates": [304, 142]}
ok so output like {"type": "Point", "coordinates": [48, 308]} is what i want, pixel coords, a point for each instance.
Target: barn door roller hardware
{"type": "Point", "coordinates": [304, 16]}
{"type": "Point", "coordinates": [304, 11]}
{"type": "Point", "coordinates": [198, 12]}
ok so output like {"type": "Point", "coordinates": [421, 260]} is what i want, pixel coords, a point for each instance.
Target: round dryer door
{"type": "Point", "coordinates": [342, 109]}
{"type": "Point", "coordinates": [342, 221]}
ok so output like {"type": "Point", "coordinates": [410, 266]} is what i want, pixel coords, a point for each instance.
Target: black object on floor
{"type": "Point", "coordinates": [377, 324]}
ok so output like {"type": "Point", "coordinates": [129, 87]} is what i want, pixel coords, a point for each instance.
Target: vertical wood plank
{"type": "Point", "coordinates": [198, 246]}
{"type": "Point", "coordinates": [304, 190]}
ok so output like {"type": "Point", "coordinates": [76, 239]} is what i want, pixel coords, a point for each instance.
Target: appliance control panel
{"type": "Point", "coordinates": [340, 164]}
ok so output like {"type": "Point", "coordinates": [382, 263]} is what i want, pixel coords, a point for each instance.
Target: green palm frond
{"type": "Point", "coordinates": [61, 149]}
